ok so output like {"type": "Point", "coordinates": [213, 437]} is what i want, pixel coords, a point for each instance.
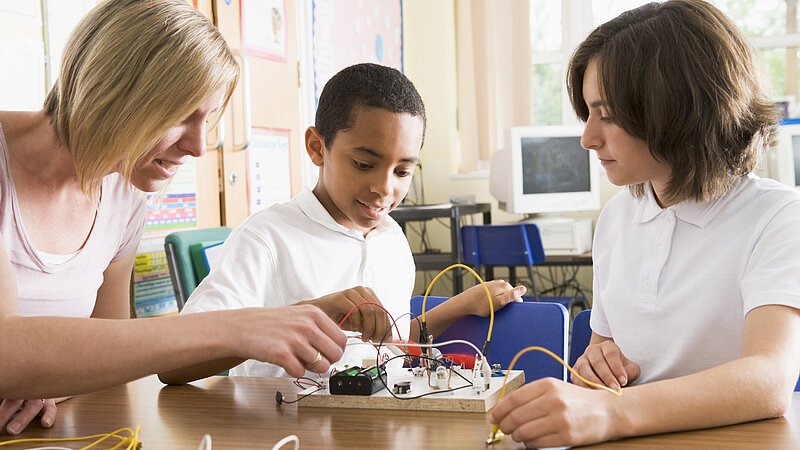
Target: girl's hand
{"type": "Point", "coordinates": [551, 413]}
{"type": "Point", "coordinates": [19, 413]}
{"type": "Point", "coordinates": [603, 363]}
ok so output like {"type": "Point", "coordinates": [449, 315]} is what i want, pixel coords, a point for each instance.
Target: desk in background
{"type": "Point", "coordinates": [584, 259]}
{"type": "Point", "coordinates": [240, 413]}
{"type": "Point", "coordinates": [455, 212]}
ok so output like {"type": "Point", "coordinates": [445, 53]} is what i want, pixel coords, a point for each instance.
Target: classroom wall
{"type": "Point", "coordinates": [430, 62]}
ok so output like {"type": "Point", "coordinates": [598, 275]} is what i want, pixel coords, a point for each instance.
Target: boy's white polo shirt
{"type": "Point", "coordinates": [295, 251]}
{"type": "Point", "coordinates": [672, 286]}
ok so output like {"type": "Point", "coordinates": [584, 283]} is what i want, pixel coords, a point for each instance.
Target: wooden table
{"type": "Point", "coordinates": [241, 413]}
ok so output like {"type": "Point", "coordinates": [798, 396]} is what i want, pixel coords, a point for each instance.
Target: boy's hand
{"type": "Point", "coordinates": [474, 301]}
{"type": "Point", "coordinates": [603, 363]}
{"type": "Point", "coordinates": [370, 320]}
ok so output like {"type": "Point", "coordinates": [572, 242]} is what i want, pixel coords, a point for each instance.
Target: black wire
{"type": "Point", "coordinates": [379, 364]}
{"type": "Point", "coordinates": [299, 398]}
{"type": "Point", "coordinates": [316, 383]}
{"type": "Point", "coordinates": [426, 393]}
{"type": "Point", "coordinates": [407, 355]}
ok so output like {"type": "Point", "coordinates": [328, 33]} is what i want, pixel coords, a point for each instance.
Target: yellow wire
{"type": "Point", "coordinates": [115, 434]}
{"type": "Point", "coordinates": [495, 427]}
{"type": "Point", "coordinates": [488, 295]}
{"type": "Point", "coordinates": [616, 392]}
{"type": "Point", "coordinates": [131, 441]}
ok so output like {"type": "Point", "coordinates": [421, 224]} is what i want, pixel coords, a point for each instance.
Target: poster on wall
{"type": "Point", "coordinates": [171, 210]}
{"type": "Point", "coordinates": [263, 25]}
{"type": "Point", "coordinates": [348, 32]}
{"type": "Point", "coordinates": [176, 207]}
{"type": "Point", "coordinates": [269, 179]}
{"type": "Point", "coordinates": [153, 294]}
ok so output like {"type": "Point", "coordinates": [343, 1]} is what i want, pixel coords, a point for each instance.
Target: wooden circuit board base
{"type": "Point", "coordinates": [462, 400]}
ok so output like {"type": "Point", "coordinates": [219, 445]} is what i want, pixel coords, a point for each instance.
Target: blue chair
{"type": "Point", "coordinates": [516, 326]}
{"type": "Point", "coordinates": [511, 245]}
{"type": "Point", "coordinates": [504, 245]}
{"type": "Point", "coordinates": [582, 332]}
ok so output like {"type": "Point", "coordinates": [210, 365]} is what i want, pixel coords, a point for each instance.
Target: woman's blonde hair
{"type": "Point", "coordinates": [131, 70]}
{"type": "Point", "coordinates": [680, 76]}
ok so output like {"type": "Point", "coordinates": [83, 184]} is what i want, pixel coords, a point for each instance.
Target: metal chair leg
{"type": "Point", "coordinates": [533, 283]}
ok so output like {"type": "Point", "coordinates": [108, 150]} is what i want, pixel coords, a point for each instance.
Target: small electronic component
{"type": "Point", "coordinates": [403, 387]}
{"type": "Point", "coordinates": [358, 381]}
{"type": "Point", "coordinates": [441, 380]}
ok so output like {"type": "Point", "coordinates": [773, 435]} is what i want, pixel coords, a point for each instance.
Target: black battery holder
{"type": "Point", "coordinates": [358, 381]}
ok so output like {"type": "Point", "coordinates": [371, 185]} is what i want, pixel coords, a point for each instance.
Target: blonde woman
{"type": "Point", "coordinates": [141, 81]}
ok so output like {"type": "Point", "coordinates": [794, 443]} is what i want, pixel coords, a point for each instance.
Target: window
{"type": "Point", "coordinates": [557, 27]}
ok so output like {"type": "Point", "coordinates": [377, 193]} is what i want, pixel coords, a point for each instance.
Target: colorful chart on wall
{"type": "Point", "coordinates": [263, 25]}
{"type": "Point", "coordinates": [176, 207]}
{"type": "Point", "coordinates": [269, 179]}
{"type": "Point", "coordinates": [153, 294]}
{"type": "Point", "coordinates": [348, 32]}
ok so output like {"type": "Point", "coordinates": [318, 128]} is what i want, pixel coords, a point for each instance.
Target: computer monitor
{"type": "Point", "coordinates": [544, 170]}
{"type": "Point", "coordinates": [783, 160]}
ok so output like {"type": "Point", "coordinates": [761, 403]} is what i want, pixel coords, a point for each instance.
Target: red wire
{"type": "Point", "coordinates": [379, 306]}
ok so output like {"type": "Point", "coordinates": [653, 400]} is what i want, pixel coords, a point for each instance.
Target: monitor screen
{"type": "Point", "coordinates": [545, 170]}
{"type": "Point", "coordinates": [783, 159]}
{"type": "Point", "coordinates": [554, 164]}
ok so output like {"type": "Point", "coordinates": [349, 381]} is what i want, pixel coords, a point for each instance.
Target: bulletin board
{"type": "Point", "coordinates": [347, 32]}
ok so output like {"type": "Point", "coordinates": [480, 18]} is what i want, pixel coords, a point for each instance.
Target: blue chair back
{"type": "Point", "coordinates": [502, 245]}
{"type": "Point", "coordinates": [516, 326]}
{"type": "Point", "coordinates": [582, 332]}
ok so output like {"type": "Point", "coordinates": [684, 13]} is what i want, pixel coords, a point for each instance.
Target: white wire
{"type": "Point", "coordinates": [205, 443]}
{"type": "Point", "coordinates": [286, 440]}
{"type": "Point", "coordinates": [50, 448]}
{"type": "Point", "coordinates": [414, 344]}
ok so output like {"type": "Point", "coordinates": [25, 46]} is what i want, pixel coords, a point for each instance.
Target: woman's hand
{"type": "Point", "coordinates": [17, 414]}
{"type": "Point", "coordinates": [474, 301]}
{"type": "Point", "coordinates": [603, 363]}
{"type": "Point", "coordinates": [551, 413]}
{"type": "Point", "coordinates": [294, 337]}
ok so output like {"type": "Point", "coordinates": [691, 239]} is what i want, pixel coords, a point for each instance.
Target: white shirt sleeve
{"type": "Point", "coordinates": [240, 278]}
{"type": "Point", "coordinates": [771, 273]}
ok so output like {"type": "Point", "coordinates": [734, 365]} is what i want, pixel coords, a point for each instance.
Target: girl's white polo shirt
{"type": "Point", "coordinates": [672, 285]}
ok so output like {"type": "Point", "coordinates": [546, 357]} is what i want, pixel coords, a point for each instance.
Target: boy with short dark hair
{"type": "Point", "coordinates": [368, 133]}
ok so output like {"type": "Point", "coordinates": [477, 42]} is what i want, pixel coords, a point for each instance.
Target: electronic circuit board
{"type": "Point", "coordinates": [466, 399]}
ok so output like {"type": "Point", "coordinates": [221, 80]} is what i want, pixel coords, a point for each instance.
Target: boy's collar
{"type": "Point", "coordinates": [313, 208]}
